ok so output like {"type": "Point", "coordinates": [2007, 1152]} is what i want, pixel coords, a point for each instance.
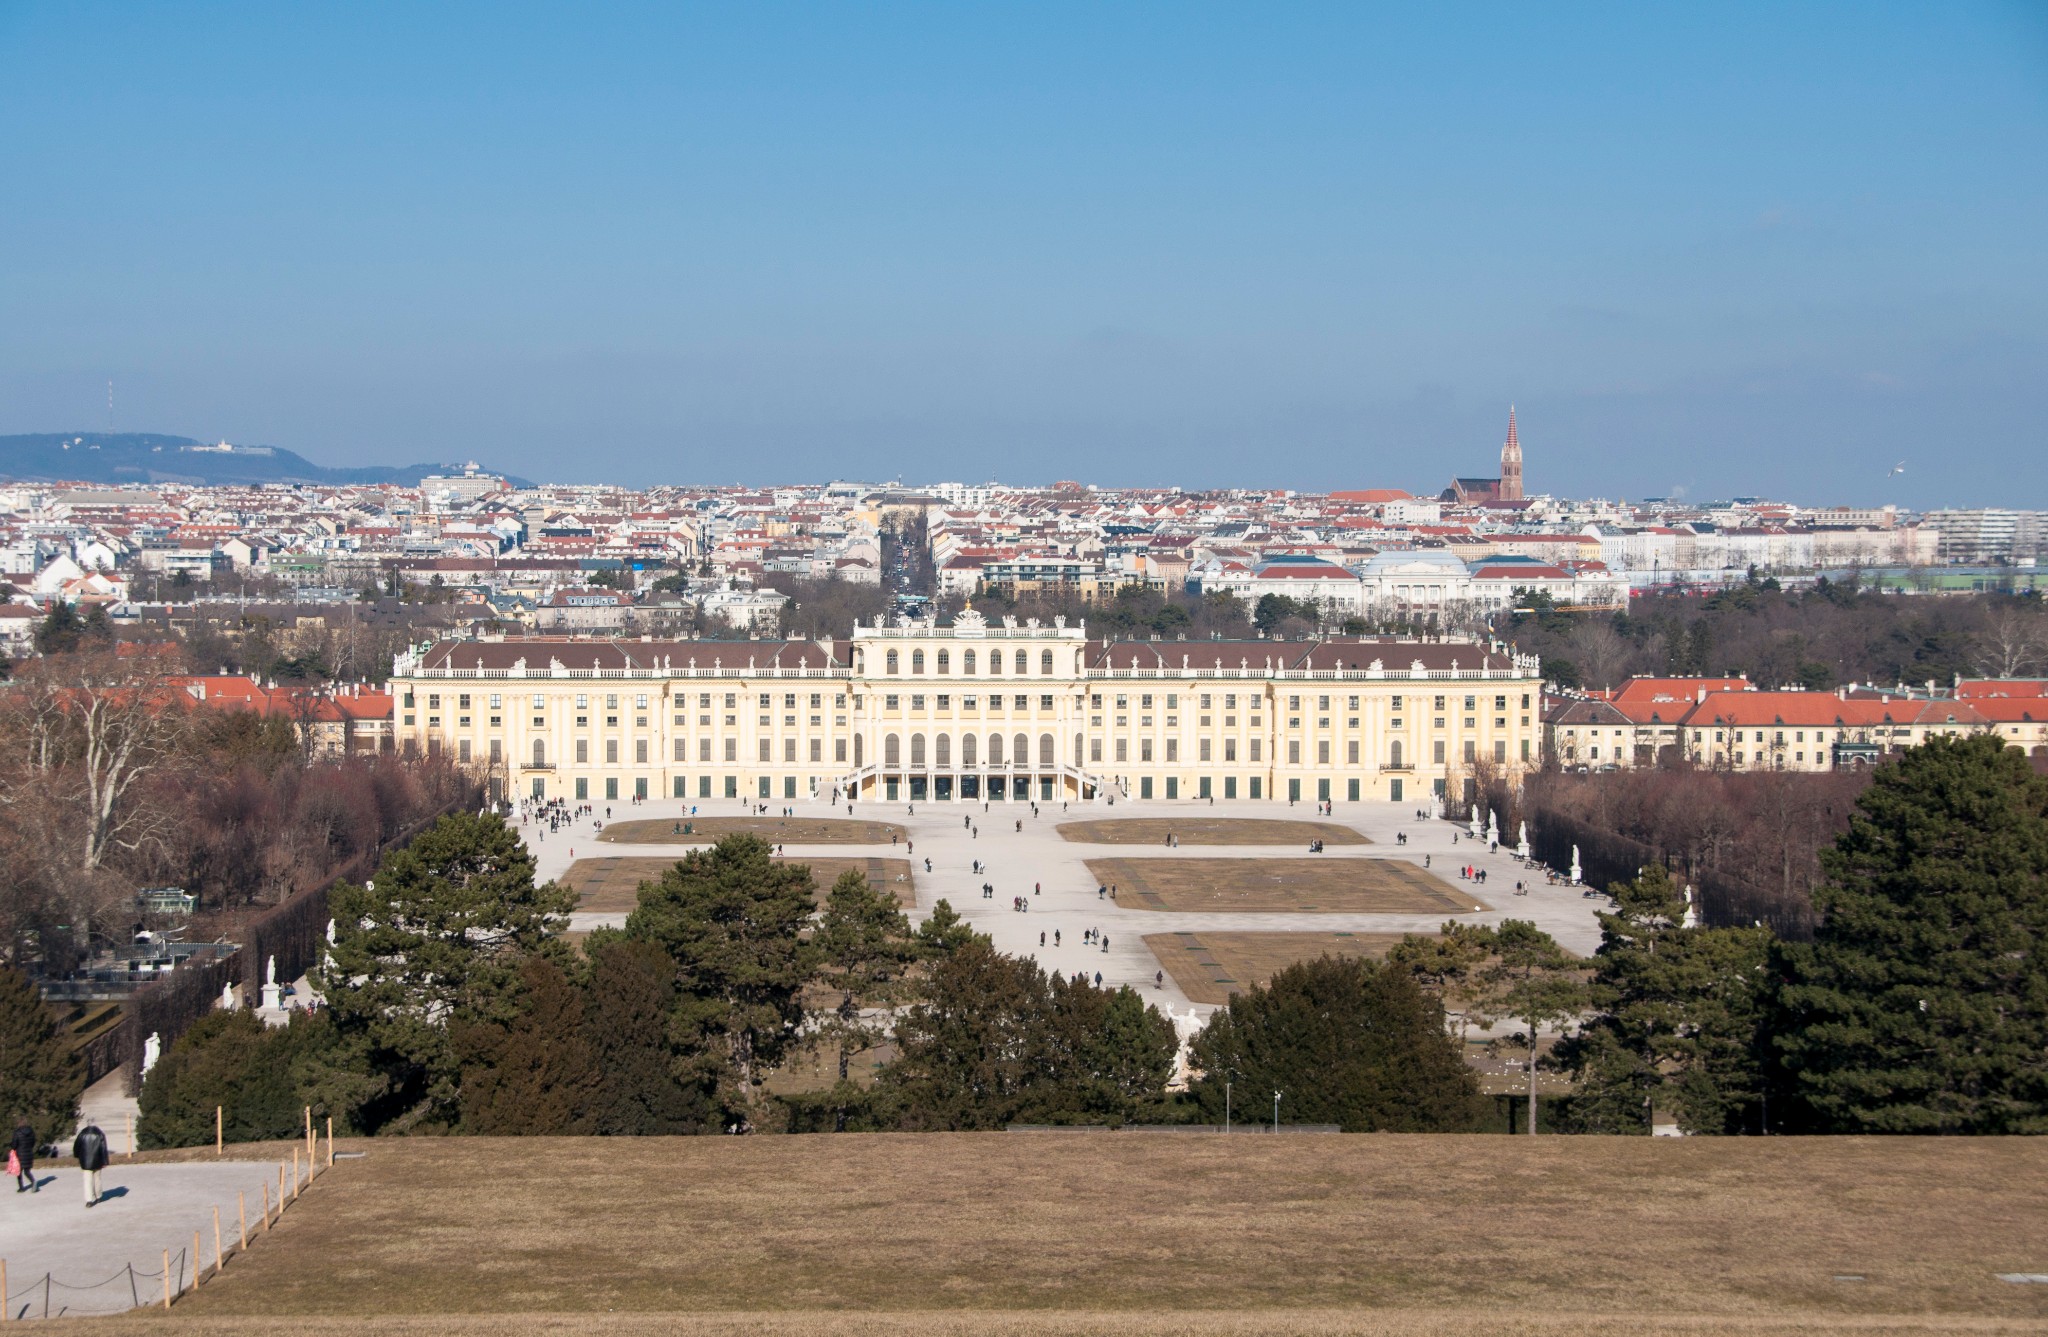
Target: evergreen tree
{"type": "Point", "coordinates": [731, 918]}
{"type": "Point", "coordinates": [631, 995]}
{"type": "Point", "coordinates": [40, 1076]}
{"type": "Point", "coordinates": [944, 932]}
{"type": "Point", "coordinates": [1677, 1018]}
{"type": "Point", "coordinates": [1534, 981]}
{"type": "Point", "coordinates": [1446, 965]}
{"type": "Point", "coordinates": [530, 1074]}
{"type": "Point", "coordinates": [437, 937]}
{"type": "Point", "coordinates": [256, 1075]}
{"type": "Point", "coordinates": [1346, 1041]}
{"type": "Point", "coordinates": [866, 947]}
{"type": "Point", "coordinates": [1921, 1006]}
{"type": "Point", "coordinates": [993, 1040]}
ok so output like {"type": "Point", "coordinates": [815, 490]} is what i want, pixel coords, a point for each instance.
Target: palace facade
{"type": "Point", "coordinates": [974, 712]}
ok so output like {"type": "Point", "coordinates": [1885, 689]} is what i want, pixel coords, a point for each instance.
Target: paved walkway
{"type": "Point", "coordinates": [1068, 902]}
{"type": "Point", "coordinates": [145, 1209]}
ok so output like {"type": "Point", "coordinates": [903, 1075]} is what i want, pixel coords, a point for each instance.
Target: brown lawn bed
{"type": "Point", "coordinates": [1310, 883]}
{"type": "Point", "coordinates": [1208, 831]}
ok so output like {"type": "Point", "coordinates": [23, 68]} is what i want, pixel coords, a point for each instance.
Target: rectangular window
{"type": "Point", "coordinates": [839, 749]}
{"type": "Point", "coordinates": [1351, 791]}
{"type": "Point", "coordinates": [1293, 752]}
{"type": "Point", "coordinates": [1351, 752]}
{"type": "Point", "coordinates": [817, 749]}
{"type": "Point", "coordinates": [764, 746]}
{"type": "Point", "coordinates": [611, 786]}
{"type": "Point", "coordinates": [583, 752]}
{"type": "Point", "coordinates": [1471, 750]}
{"type": "Point", "coordinates": [732, 749]}
{"type": "Point", "coordinates": [703, 786]}
{"type": "Point", "coordinates": [1439, 749]}
{"type": "Point", "coordinates": [1323, 753]}
{"type": "Point", "coordinates": [789, 749]}
{"type": "Point", "coordinates": [1257, 785]}
{"type": "Point", "coordinates": [462, 750]}
{"type": "Point", "coordinates": [1205, 754]}
{"type": "Point", "coordinates": [1095, 749]}
{"type": "Point", "coordinates": [640, 751]}
{"type": "Point", "coordinates": [582, 787]}
{"type": "Point", "coordinates": [1123, 749]}
{"type": "Point", "coordinates": [680, 754]}
{"type": "Point", "coordinates": [704, 749]}
{"type": "Point", "coordinates": [764, 787]}
{"type": "Point", "coordinates": [1230, 749]}
{"type": "Point", "coordinates": [1255, 755]}
{"type": "Point", "coordinates": [732, 786]}
{"type": "Point", "coordinates": [1144, 749]}
{"type": "Point", "coordinates": [611, 751]}
{"type": "Point", "coordinates": [1500, 749]}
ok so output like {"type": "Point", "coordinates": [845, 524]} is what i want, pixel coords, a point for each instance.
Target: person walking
{"type": "Point", "coordinates": [90, 1147]}
{"type": "Point", "coordinates": [21, 1158]}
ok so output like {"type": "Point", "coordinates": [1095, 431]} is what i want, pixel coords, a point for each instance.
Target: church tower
{"type": "Point", "coordinates": [1511, 463]}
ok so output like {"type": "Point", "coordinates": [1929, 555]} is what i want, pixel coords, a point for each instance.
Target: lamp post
{"type": "Point", "coordinates": [1276, 1111]}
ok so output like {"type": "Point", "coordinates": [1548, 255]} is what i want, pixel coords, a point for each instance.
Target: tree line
{"type": "Point", "coordinates": [454, 1005]}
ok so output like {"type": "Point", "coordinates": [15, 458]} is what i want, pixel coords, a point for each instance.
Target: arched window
{"type": "Point", "coordinates": [540, 752]}
{"type": "Point", "coordinates": [1020, 750]}
{"type": "Point", "coordinates": [1045, 747]}
{"type": "Point", "coordinates": [995, 662]}
{"type": "Point", "coordinates": [942, 752]}
{"type": "Point", "coordinates": [945, 660]}
{"type": "Point", "coordinates": [892, 662]}
{"type": "Point", "coordinates": [892, 751]}
{"type": "Point", "coordinates": [967, 745]}
{"type": "Point", "coordinates": [916, 750]}
{"type": "Point", "coordinates": [1394, 754]}
{"type": "Point", "coordinates": [1077, 750]}
{"type": "Point", "coordinates": [917, 661]}
{"type": "Point", "coordinates": [858, 749]}
{"type": "Point", "coordinates": [1045, 664]}
{"type": "Point", "coordinates": [967, 661]}
{"type": "Point", "coordinates": [995, 749]}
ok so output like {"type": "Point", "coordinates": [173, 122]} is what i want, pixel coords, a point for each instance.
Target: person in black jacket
{"type": "Point", "coordinates": [90, 1147]}
{"type": "Point", "coordinates": [24, 1147]}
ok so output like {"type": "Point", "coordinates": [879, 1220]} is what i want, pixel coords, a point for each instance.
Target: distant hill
{"type": "Point", "coordinates": [145, 457]}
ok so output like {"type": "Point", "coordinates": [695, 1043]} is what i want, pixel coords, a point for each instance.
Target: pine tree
{"type": "Point", "coordinates": [1921, 1006]}
{"type": "Point", "coordinates": [1534, 981]}
{"type": "Point", "coordinates": [944, 932]}
{"type": "Point", "coordinates": [256, 1075]}
{"type": "Point", "coordinates": [1345, 1041]}
{"type": "Point", "coordinates": [435, 938]}
{"type": "Point", "coordinates": [40, 1077]}
{"type": "Point", "coordinates": [630, 997]}
{"type": "Point", "coordinates": [731, 918]}
{"type": "Point", "coordinates": [530, 1074]}
{"type": "Point", "coordinates": [866, 948]}
{"type": "Point", "coordinates": [1677, 1017]}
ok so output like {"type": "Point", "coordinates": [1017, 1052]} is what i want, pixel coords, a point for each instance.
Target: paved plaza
{"type": "Point", "coordinates": [1017, 860]}
{"type": "Point", "coordinates": [86, 1253]}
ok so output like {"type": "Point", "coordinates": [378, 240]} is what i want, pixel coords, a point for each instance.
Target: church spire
{"type": "Point", "coordinates": [1511, 463]}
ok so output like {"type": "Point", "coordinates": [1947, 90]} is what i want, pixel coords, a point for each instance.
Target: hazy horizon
{"type": "Point", "coordinates": [1758, 250]}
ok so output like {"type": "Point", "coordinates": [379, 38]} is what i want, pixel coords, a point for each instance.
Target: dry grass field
{"type": "Point", "coordinates": [776, 830]}
{"type": "Point", "coordinates": [1209, 967]}
{"type": "Point", "coordinates": [612, 886]}
{"type": "Point", "coordinates": [1208, 831]}
{"type": "Point", "coordinates": [1128, 1233]}
{"type": "Point", "coordinates": [1308, 884]}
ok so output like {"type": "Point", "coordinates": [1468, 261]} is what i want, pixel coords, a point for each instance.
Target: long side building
{"type": "Point", "coordinates": [975, 712]}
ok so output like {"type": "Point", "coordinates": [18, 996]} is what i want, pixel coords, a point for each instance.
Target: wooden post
{"type": "Point", "coordinates": [216, 1130]}
{"type": "Point", "coordinates": [266, 1204]}
{"type": "Point", "coordinates": [167, 1278]}
{"type": "Point", "coordinates": [280, 1189]}
{"type": "Point", "coordinates": [195, 1260]}
{"type": "Point", "coordinates": [310, 1145]}
{"type": "Point", "coordinates": [242, 1210]}
{"type": "Point", "coordinates": [217, 1259]}
{"type": "Point", "coordinates": [330, 1141]}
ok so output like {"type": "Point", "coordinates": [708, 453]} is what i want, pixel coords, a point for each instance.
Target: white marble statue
{"type": "Point", "coordinates": [270, 971]}
{"type": "Point", "coordinates": [1522, 849]}
{"type": "Point", "coordinates": [227, 997]}
{"type": "Point", "coordinates": [1473, 826]}
{"type": "Point", "coordinates": [1576, 874]}
{"type": "Point", "coordinates": [152, 1050]}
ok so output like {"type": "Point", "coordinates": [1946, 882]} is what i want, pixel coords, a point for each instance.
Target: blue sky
{"type": "Point", "coordinates": [1725, 249]}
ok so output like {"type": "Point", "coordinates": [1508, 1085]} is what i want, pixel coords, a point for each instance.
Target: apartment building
{"type": "Point", "coordinates": [975, 712]}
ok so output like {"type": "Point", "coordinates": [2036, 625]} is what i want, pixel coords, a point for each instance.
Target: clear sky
{"type": "Point", "coordinates": [1771, 248]}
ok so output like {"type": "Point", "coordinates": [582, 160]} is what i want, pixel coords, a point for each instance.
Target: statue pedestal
{"type": "Point", "coordinates": [273, 998]}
